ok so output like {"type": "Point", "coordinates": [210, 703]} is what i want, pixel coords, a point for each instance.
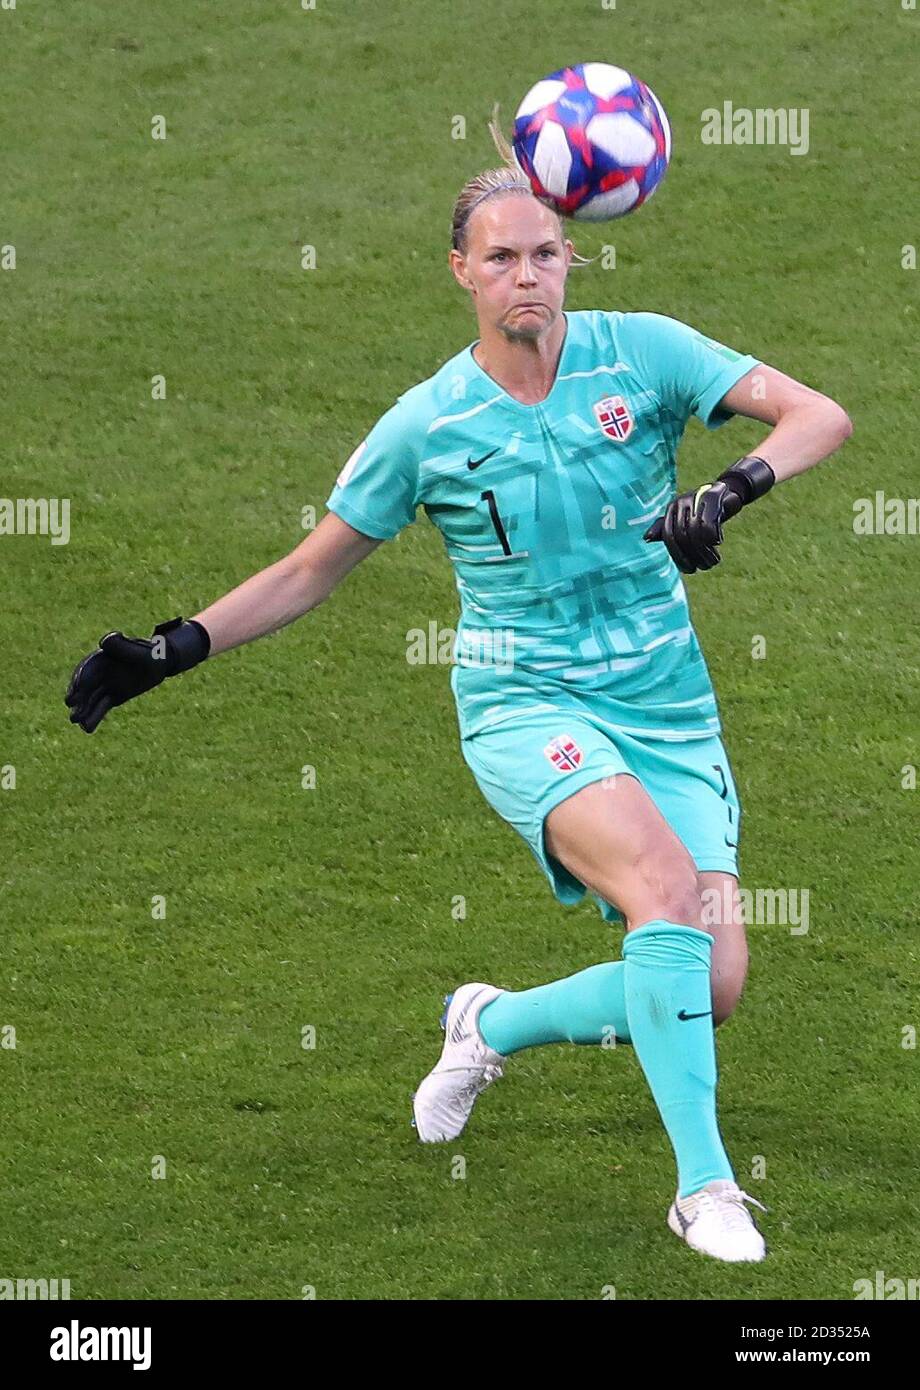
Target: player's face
{"type": "Point", "coordinates": [515, 265]}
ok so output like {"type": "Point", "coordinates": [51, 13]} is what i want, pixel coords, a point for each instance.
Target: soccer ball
{"type": "Point", "coordinates": [593, 140]}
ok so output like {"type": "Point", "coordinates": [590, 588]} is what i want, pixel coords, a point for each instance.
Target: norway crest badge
{"type": "Point", "coordinates": [614, 417]}
{"type": "Point", "coordinates": [564, 753]}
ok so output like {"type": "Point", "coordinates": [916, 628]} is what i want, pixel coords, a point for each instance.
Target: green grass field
{"type": "Point", "coordinates": [140, 1036]}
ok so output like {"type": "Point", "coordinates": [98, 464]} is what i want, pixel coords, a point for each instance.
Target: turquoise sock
{"type": "Point", "coordinates": [669, 1011]}
{"type": "Point", "coordinates": [585, 1008]}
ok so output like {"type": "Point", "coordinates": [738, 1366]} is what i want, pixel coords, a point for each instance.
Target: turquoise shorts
{"type": "Point", "coordinates": [529, 763]}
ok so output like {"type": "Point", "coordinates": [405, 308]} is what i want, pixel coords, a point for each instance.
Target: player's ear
{"type": "Point", "coordinates": [457, 264]}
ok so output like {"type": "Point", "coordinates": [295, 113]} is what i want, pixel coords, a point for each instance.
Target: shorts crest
{"type": "Point", "coordinates": [564, 753]}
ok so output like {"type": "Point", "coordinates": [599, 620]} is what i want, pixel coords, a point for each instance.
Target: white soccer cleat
{"type": "Point", "coordinates": [716, 1222]}
{"type": "Point", "coordinates": [444, 1100]}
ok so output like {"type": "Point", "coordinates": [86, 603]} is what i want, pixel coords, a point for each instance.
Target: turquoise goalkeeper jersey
{"type": "Point", "coordinates": [542, 509]}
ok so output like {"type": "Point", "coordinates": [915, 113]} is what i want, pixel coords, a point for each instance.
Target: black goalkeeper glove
{"type": "Point", "coordinates": [123, 667]}
{"type": "Point", "coordinates": [691, 528]}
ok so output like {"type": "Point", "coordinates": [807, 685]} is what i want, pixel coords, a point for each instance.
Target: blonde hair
{"type": "Point", "coordinates": [476, 190]}
{"type": "Point", "coordinates": [509, 178]}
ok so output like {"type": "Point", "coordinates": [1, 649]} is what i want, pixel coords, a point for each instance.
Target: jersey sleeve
{"type": "Point", "coordinates": [377, 490]}
{"type": "Point", "coordinates": [689, 372]}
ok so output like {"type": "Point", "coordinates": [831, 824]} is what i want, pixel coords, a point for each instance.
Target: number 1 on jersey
{"type": "Point", "coordinates": [489, 496]}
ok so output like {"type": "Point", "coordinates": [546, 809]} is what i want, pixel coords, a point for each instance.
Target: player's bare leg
{"type": "Point", "coordinates": [723, 918]}
{"type": "Point", "coordinates": [613, 838]}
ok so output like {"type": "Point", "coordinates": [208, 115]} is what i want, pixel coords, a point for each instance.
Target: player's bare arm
{"type": "Point", "coordinates": [122, 668]}
{"type": "Point", "coordinates": [807, 426]}
{"type": "Point", "coordinates": [285, 591]}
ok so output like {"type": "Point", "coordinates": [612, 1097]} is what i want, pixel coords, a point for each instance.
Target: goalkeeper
{"type": "Point", "coordinates": [545, 454]}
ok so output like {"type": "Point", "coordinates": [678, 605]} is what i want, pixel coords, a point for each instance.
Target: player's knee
{"type": "Point", "coordinates": [677, 895]}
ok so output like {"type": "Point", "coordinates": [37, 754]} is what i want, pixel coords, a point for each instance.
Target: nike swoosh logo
{"type": "Point", "coordinates": [683, 1015]}
{"type": "Point", "coordinates": [456, 1032]}
{"type": "Point", "coordinates": [474, 463]}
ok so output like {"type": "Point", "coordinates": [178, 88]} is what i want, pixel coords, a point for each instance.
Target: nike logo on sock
{"type": "Point", "coordinates": [683, 1015]}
